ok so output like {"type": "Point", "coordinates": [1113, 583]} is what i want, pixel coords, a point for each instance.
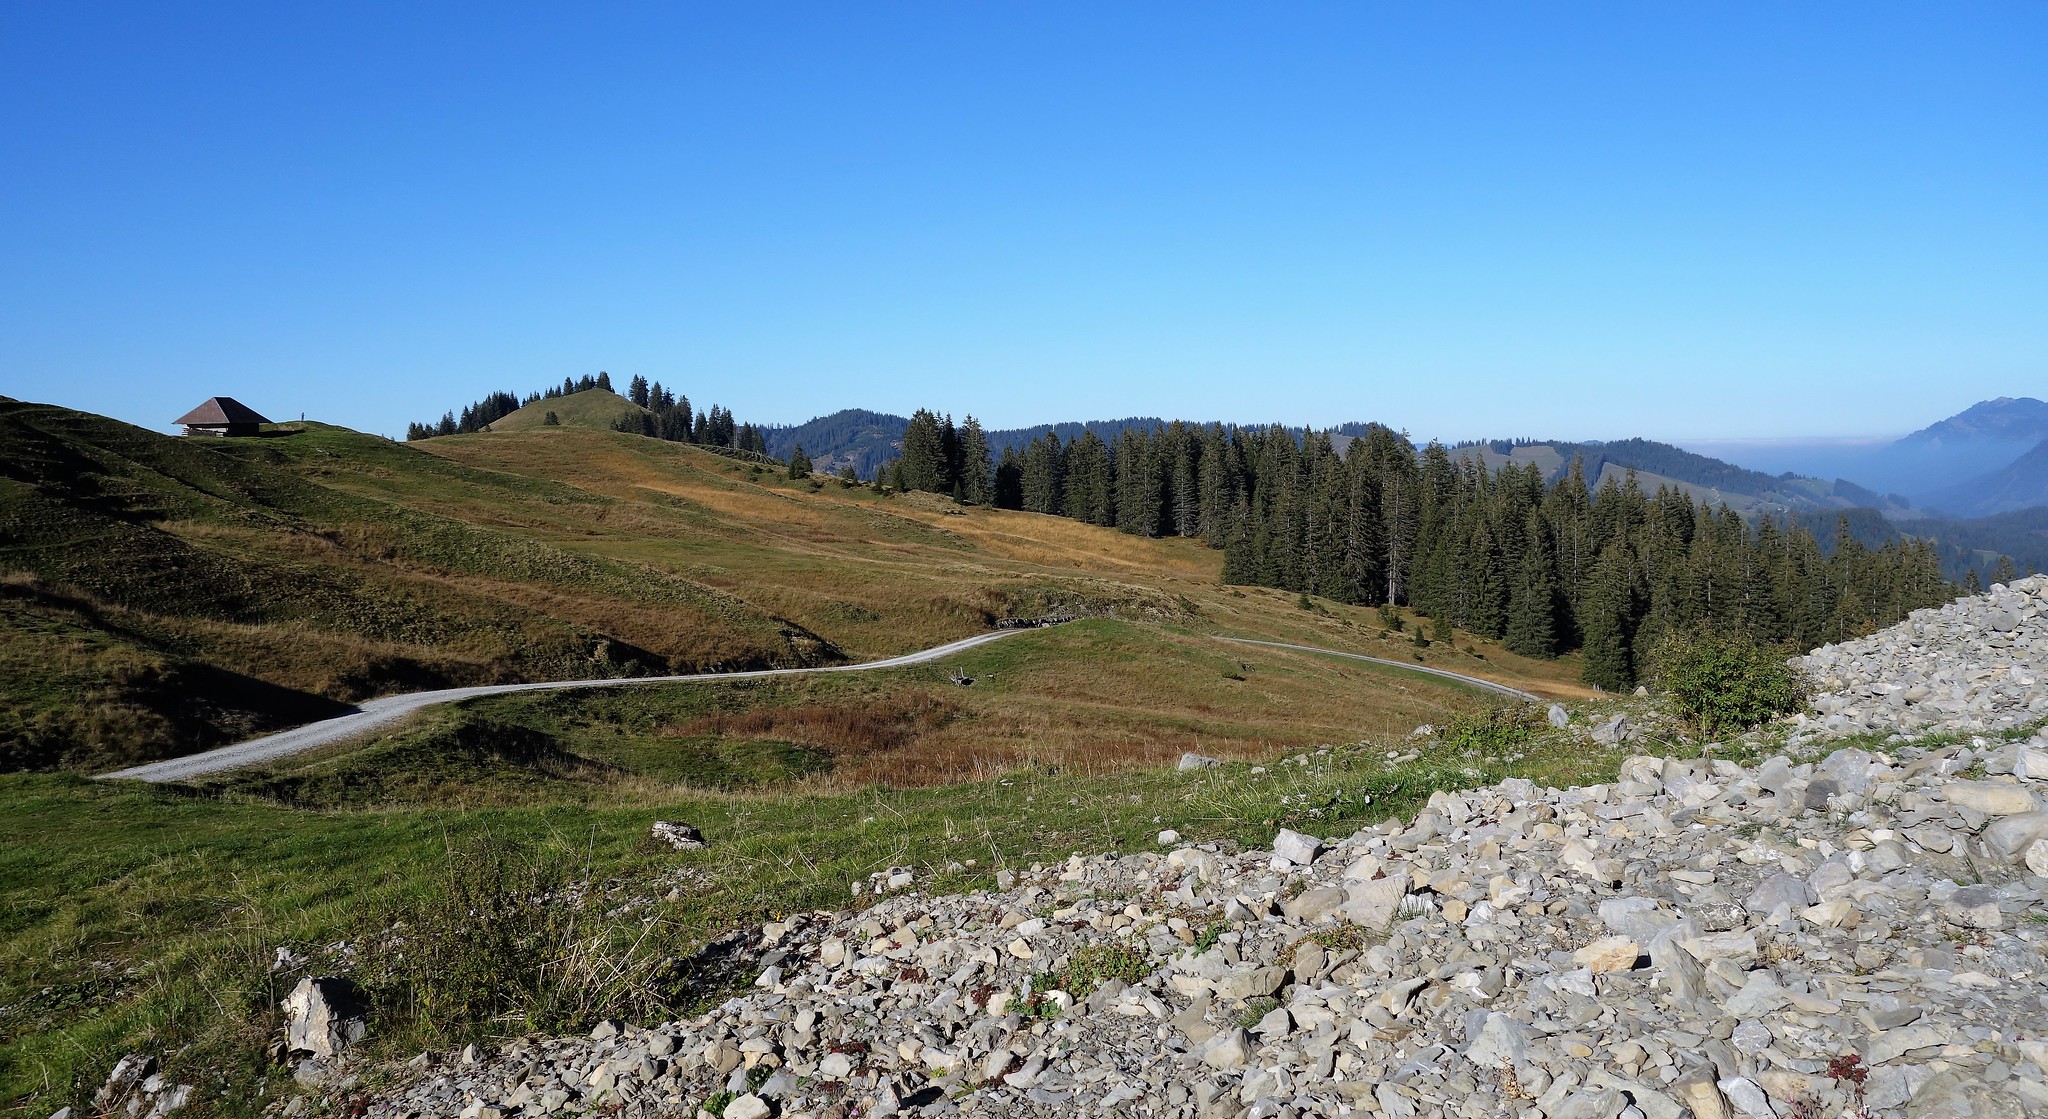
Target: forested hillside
{"type": "Point", "coordinates": [1544, 567]}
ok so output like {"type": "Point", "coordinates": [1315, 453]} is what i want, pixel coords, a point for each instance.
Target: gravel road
{"type": "Point", "coordinates": [377, 714]}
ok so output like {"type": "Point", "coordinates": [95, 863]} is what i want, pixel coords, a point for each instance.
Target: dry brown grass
{"type": "Point", "coordinates": [845, 730]}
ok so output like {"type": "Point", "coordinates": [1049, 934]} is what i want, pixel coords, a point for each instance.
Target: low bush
{"type": "Point", "coordinates": [1494, 729]}
{"type": "Point", "coordinates": [1719, 683]}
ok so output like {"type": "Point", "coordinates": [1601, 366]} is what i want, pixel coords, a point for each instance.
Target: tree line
{"type": "Point", "coordinates": [668, 416]}
{"type": "Point", "coordinates": [1371, 520]}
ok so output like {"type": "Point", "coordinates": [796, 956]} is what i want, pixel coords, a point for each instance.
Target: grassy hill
{"type": "Point", "coordinates": [160, 596]}
{"type": "Point", "coordinates": [595, 409]}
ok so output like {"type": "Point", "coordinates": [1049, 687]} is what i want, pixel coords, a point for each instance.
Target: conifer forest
{"type": "Point", "coordinates": [1545, 567]}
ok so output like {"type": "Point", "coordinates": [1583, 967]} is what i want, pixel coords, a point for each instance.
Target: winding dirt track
{"type": "Point", "coordinates": [379, 713]}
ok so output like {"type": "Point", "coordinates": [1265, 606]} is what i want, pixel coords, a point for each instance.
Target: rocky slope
{"type": "Point", "coordinates": [1977, 664]}
{"type": "Point", "coordinates": [1860, 934]}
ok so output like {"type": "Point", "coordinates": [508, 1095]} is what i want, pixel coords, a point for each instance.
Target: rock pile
{"type": "Point", "coordinates": [1695, 937]}
{"type": "Point", "coordinates": [1860, 935]}
{"type": "Point", "coordinates": [1976, 664]}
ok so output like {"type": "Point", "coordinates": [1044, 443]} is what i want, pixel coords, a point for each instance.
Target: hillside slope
{"type": "Point", "coordinates": [191, 593]}
{"type": "Point", "coordinates": [2020, 484]}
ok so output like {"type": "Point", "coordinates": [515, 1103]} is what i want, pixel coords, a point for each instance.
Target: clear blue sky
{"type": "Point", "coordinates": [1583, 221]}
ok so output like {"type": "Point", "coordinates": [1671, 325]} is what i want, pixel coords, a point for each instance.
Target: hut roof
{"type": "Point", "coordinates": [221, 410]}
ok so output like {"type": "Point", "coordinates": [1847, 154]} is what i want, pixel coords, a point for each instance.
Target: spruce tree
{"type": "Point", "coordinates": [1042, 480]}
{"type": "Point", "coordinates": [1532, 615]}
{"type": "Point", "coordinates": [924, 454]}
{"type": "Point", "coordinates": [799, 463]}
{"type": "Point", "coordinates": [636, 390]}
{"type": "Point", "coordinates": [1009, 481]}
{"type": "Point", "coordinates": [1089, 482]}
{"type": "Point", "coordinates": [1607, 622]}
{"type": "Point", "coordinates": [977, 480]}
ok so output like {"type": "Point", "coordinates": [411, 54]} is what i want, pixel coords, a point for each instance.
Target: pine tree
{"type": "Point", "coordinates": [1009, 481]}
{"type": "Point", "coordinates": [604, 381]}
{"type": "Point", "coordinates": [1042, 480]}
{"type": "Point", "coordinates": [799, 463]}
{"type": "Point", "coordinates": [924, 454]}
{"type": "Point", "coordinates": [1136, 484]}
{"type": "Point", "coordinates": [949, 453]}
{"type": "Point", "coordinates": [2005, 572]}
{"type": "Point", "coordinates": [1532, 614]}
{"type": "Point", "coordinates": [636, 390]}
{"type": "Point", "coordinates": [1607, 622]}
{"type": "Point", "coordinates": [1090, 495]}
{"type": "Point", "coordinates": [977, 480]}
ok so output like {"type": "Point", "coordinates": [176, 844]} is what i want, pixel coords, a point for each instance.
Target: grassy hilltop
{"type": "Point", "coordinates": [159, 596]}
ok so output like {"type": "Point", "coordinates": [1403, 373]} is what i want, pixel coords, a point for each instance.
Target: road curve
{"type": "Point", "coordinates": [1488, 685]}
{"type": "Point", "coordinates": [378, 713]}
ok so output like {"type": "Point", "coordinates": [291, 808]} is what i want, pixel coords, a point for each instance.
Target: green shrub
{"type": "Point", "coordinates": [1717, 683]}
{"type": "Point", "coordinates": [1496, 728]}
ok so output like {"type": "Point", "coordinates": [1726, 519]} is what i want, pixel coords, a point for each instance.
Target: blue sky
{"type": "Point", "coordinates": [1580, 221]}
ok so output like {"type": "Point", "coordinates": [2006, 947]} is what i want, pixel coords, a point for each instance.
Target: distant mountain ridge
{"type": "Point", "coordinates": [866, 440]}
{"type": "Point", "coordinates": [1948, 465]}
{"type": "Point", "coordinates": [2004, 420]}
{"type": "Point", "coordinates": [2020, 484]}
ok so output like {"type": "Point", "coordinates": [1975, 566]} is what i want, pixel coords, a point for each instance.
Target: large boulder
{"type": "Point", "coordinates": [323, 1016]}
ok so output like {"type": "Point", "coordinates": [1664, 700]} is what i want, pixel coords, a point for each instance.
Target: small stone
{"type": "Point", "coordinates": [2036, 858]}
{"type": "Point", "coordinates": [1500, 1043]}
{"type": "Point", "coordinates": [1169, 837]}
{"type": "Point", "coordinates": [1992, 798]}
{"type": "Point", "coordinates": [1228, 1050]}
{"type": "Point", "coordinates": [1974, 907]}
{"type": "Point", "coordinates": [1608, 954]}
{"type": "Point", "coordinates": [1558, 716]}
{"type": "Point", "coordinates": [1747, 1099]}
{"type": "Point", "coordinates": [677, 835]}
{"type": "Point", "coordinates": [1296, 848]}
{"type": "Point", "coordinates": [749, 1106]}
{"type": "Point", "coordinates": [2009, 837]}
{"type": "Point", "coordinates": [1197, 761]}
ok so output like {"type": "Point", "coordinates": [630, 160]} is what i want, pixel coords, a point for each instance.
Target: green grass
{"type": "Point", "coordinates": [146, 918]}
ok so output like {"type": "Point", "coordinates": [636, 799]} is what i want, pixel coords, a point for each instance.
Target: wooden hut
{"type": "Point", "coordinates": [222, 415]}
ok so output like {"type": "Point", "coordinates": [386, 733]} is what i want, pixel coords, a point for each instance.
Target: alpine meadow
{"type": "Point", "coordinates": [1023, 561]}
